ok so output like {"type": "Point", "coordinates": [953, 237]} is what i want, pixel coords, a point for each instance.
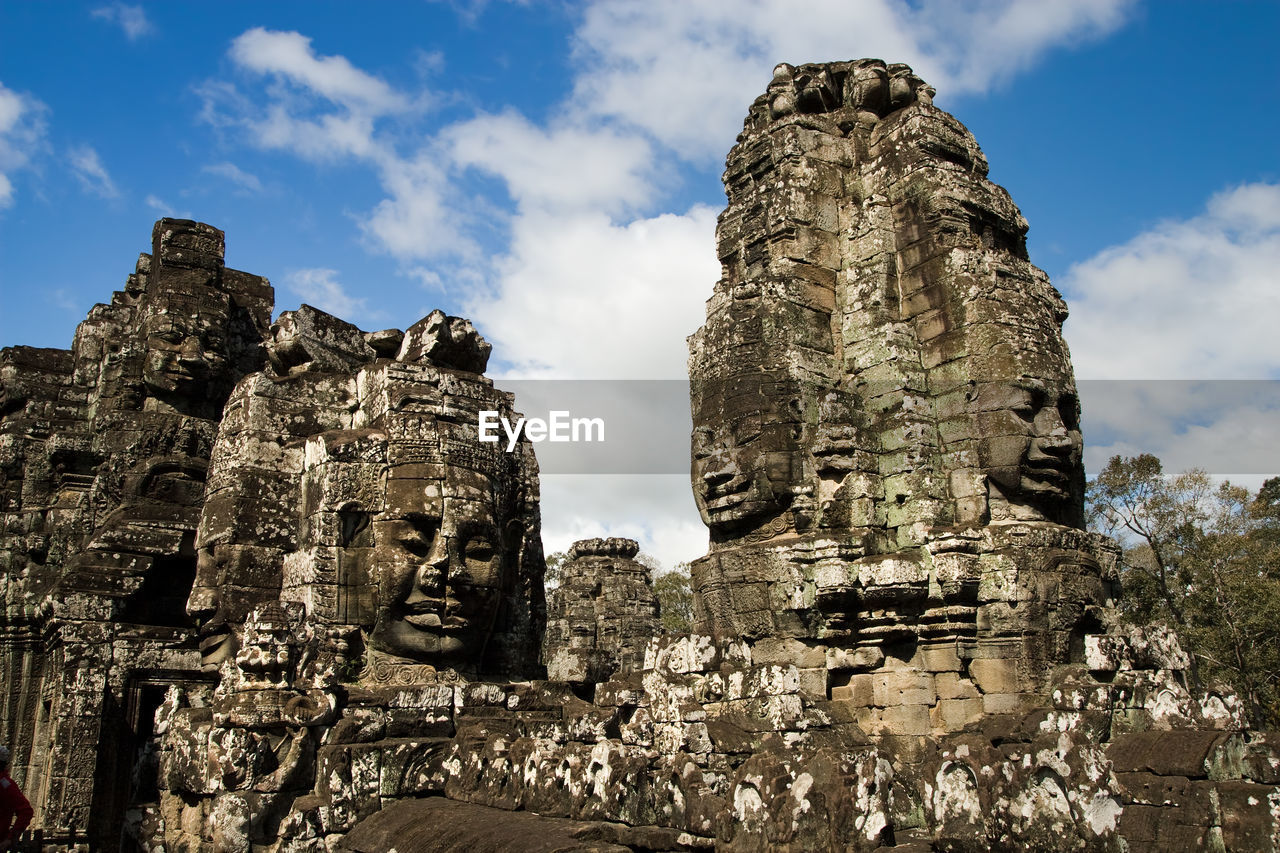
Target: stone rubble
{"type": "Point", "coordinates": [265, 590]}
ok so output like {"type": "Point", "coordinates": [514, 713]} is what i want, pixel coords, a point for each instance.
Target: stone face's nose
{"type": "Point", "coordinates": [430, 577]}
{"type": "Point", "coordinates": [202, 603]}
{"type": "Point", "coordinates": [191, 351]}
{"type": "Point", "coordinates": [720, 473]}
{"type": "Point", "coordinates": [1052, 436]}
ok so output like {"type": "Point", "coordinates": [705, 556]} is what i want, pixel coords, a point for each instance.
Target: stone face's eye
{"type": "Point", "coordinates": [1026, 404]}
{"type": "Point", "coordinates": [419, 537]}
{"type": "Point", "coordinates": [415, 546]}
{"type": "Point", "coordinates": [747, 429]}
{"type": "Point", "coordinates": [480, 558]}
{"type": "Point", "coordinates": [480, 549]}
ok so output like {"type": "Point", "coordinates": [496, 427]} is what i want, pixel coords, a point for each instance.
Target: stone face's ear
{"type": "Point", "coordinates": [445, 341]}
{"type": "Point", "coordinates": [513, 542]}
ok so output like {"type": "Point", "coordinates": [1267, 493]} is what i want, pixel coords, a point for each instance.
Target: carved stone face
{"type": "Point", "coordinates": [1030, 444]}
{"type": "Point", "coordinates": [746, 458]}
{"type": "Point", "coordinates": [231, 580]}
{"type": "Point", "coordinates": [440, 576]}
{"type": "Point", "coordinates": [183, 349]}
{"type": "Point", "coordinates": [218, 641]}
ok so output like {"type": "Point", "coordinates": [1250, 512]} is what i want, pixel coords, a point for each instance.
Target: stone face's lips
{"type": "Point", "coordinates": [431, 620]}
{"type": "Point", "coordinates": [424, 620]}
{"type": "Point", "coordinates": [1049, 471]}
{"type": "Point", "coordinates": [728, 493]}
{"type": "Point", "coordinates": [1050, 474]}
{"type": "Point", "coordinates": [212, 640]}
{"type": "Point", "coordinates": [423, 605]}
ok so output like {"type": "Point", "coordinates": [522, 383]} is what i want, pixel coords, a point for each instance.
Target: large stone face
{"type": "Point", "coordinates": [886, 436]}
{"type": "Point", "coordinates": [355, 484]}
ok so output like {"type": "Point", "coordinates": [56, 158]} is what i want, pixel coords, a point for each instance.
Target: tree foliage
{"type": "Point", "coordinates": [555, 565]}
{"type": "Point", "coordinates": [1203, 558]}
{"type": "Point", "coordinates": [674, 592]}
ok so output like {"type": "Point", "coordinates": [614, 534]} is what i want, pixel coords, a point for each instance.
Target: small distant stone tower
{"type": "Point", "coordinates": [603, 614]}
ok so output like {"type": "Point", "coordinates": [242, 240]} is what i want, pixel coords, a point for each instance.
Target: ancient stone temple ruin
{"type": "Point", "coordinates": [265, 590]}
{"type": "Point", "coordinates": [104, 451]}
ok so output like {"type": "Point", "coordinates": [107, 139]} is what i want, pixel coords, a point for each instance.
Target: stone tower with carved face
{"type": "Point", "coordinates": [886, 440]}
{"type": "Point", "coordinates": [349, 478]}
{"type": "Point", "coordinates": [105, 452]}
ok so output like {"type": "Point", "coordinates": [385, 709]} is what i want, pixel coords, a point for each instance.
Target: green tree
{"type": "Point", "coordinates": [1204, 559]}
{"type": "Point", "coordinates": [555, 566]}
{"type": "Point", "coordinates": [672, 587]}
{"type": "Point", "coordinates": [674, 592]}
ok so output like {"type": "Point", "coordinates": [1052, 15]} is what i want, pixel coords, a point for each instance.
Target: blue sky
{"type": "Point", "coordinates": [551, 170]}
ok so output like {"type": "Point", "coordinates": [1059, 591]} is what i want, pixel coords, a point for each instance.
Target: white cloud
{"type": "Point", "coordinates": [288, 55]}
{"type": "Point", "coordinates": [657, 510]}
{"type": "Point", "coordinates": [163, 208]}
{"type": "Point", "coordinates": [324, 109]}
{"type": "Point", "coordinates": [319, 138]}
{"type": "Point", "coordinates": [1225, 427]}
{"type": "Point", "coordinates": [131, 19]}
{"type": "Point", "coordinates": [563, 167]}
{"type": "Point", "coordinates": [1192, 299]}
{"type": "Point", "coordinates": [974, 45]}
{"type": "Point", "coordinates": [247, 182]}
{"type": "Point", "coordinates": [582, 297]}
{"type": "Point", "coordinates": [88, 169]}
{"type": "Point", "coordinates": [428, 279]}
{"type": "Point", "coordinates": [683, 70]}
{"type": "Point", "coordinates": [320, 287]}
{"type": "Point", "coordinates": [22, 130]}
{"type": "Point", "coordinates": [64, 300]}
{"type": "Point", "coordinates": [319, 108]}
{"type": "Point", "coordinates": [421, 218]}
